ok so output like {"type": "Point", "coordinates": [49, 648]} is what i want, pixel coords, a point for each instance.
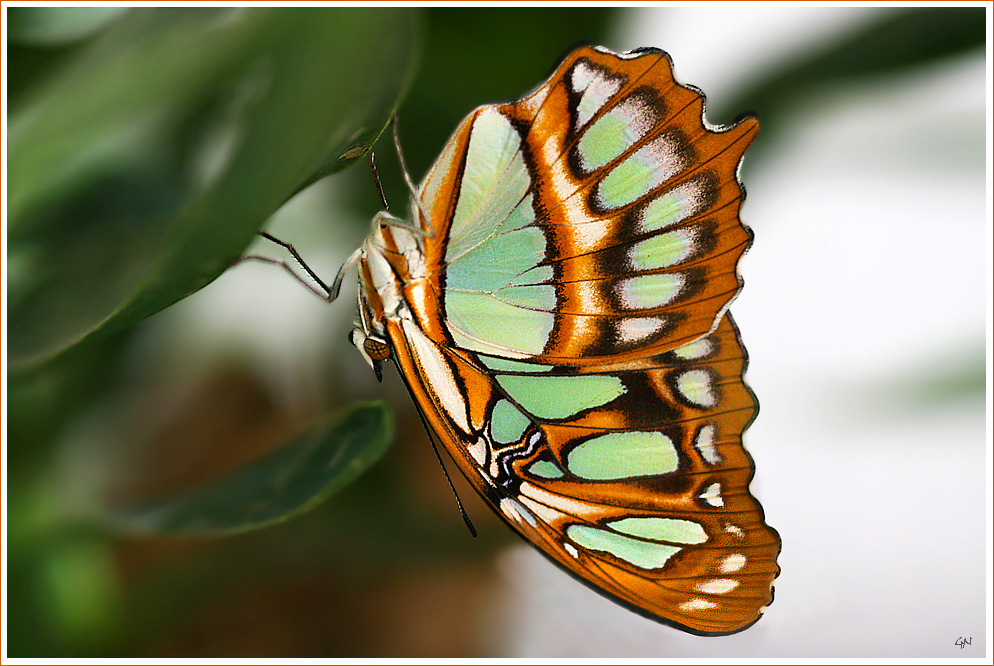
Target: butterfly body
{"type": "Point", "coordinates": [558, 312]}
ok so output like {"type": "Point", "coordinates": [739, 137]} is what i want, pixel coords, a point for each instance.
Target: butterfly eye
{"type": "Point", "coordinates": [376, 349]}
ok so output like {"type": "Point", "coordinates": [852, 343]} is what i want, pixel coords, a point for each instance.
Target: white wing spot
{"type": "Point", "coordinates": [697, 604]}
{"type": "Point", "coordinates": [732, 563]}
{"type": "Point", "coordinates": [587, 236]}
{"type": "Point", "coordinates": [676, 205]}
{"type": "Point", "coordinates": [695, 386]}
{"type": "Point", "coordinates": [513, 509]}
{"type": "Point", "coordinates": [704, 443]}
{"type": "Point", "coordinates": [583, 74]}
{"type": "Point", "coordinates": [633, 329]}
{"type": "Point", "coordinates": [734, 529]}
{"type": "Point", "coordinates": [571, 550]}
{"type": "Point", "coordinates": [717, 586]}
{"type": "Point", "coordinates": [712, 495]}
{"type": "Point", "coordinates": [624, 55]}
{"type": "Point", "coordinates": [533, 103]}
{"type": "Point", "coordinates": [694, 350]}
{"type": "Point", "coordinates": [649, 291]}
{"type": "Point", "coordinates": [667, 154]}
{"type": "Point", "coordinates": [597, 89]}
{"type": "Point", "coordinates": [479, 451]}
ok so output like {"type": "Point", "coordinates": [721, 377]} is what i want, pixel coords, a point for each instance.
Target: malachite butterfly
{"type": "Point", "coordinates": [558, 312]}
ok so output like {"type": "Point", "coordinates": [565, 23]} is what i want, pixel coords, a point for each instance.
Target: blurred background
{"type": "Point", "coordinates": [866, 315]}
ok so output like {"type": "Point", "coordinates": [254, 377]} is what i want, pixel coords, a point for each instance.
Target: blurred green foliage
{"type": "Point", "coordinates": [290, 481]}
{"type": "Point", "coordinates": [146, 148]}
{"type": "Point", "coordinates": [143, 166]}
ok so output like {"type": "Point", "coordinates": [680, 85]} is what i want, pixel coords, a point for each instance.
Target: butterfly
{"type": "Point", "coordinates": [558, 311]}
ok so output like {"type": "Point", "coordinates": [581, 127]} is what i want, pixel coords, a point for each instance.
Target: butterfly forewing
{"type": "Point", "coordinates": [600, 214]}
{"type": "Point", "coordinates": [563, 332]}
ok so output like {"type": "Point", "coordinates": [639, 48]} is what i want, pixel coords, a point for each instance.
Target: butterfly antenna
{"type": "Point", "coordinates": [438, 457]}
{"type": "Point", "coordinates": [462, 511]}
{"type": "Point", "coordinates": [411, 187]}
{"type": "Point", "coordinates": [376, 179]}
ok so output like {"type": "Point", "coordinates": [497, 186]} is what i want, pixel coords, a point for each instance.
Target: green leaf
{"type": "Point", "coordinates": [286, 483]}
{"type": "Point", "coordinates": [141, 170]}
{"type": "Point", "coordinates": [50, 26]}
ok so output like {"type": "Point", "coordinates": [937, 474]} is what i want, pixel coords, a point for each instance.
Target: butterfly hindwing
{"type": "Point", "coordinates": [630, 476]}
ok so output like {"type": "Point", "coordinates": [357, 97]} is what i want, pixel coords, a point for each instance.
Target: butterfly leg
{"type": "Point", "coordinates": [429, 230]}
{"type": "Point", "coordinates": [325, 292]}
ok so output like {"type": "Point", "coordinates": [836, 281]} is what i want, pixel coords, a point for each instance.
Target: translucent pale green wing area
{"type": "Point", "coordinates": [644, 542]}
{"type": "Point", "coordinates": [623, 455]}
{"type": "Point", "coordinates": [494, 182]}
{"type": "Point", "coordinates": [507, 423]}
{"type": "Point", "coordinates": [641, 553]}
{"type": "Point", "coordinates": [481, 321]}
{"type": "Point", "coordinates": [559, 397]}
{"type": "Point", "coordinates": [495, 263]}
{"type": "Point", "coordinates": [497, 298]}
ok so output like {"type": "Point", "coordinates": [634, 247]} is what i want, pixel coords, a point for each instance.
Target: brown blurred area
{"type": "Point", "coordinates": [350, 579]}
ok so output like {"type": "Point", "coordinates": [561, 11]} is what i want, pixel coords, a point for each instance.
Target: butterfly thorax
{"type": "Point", "coordinates": [394, 284]}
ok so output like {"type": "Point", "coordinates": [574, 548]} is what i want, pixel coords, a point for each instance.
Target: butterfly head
{"type": "Point", "coordinates": [372, 347]}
